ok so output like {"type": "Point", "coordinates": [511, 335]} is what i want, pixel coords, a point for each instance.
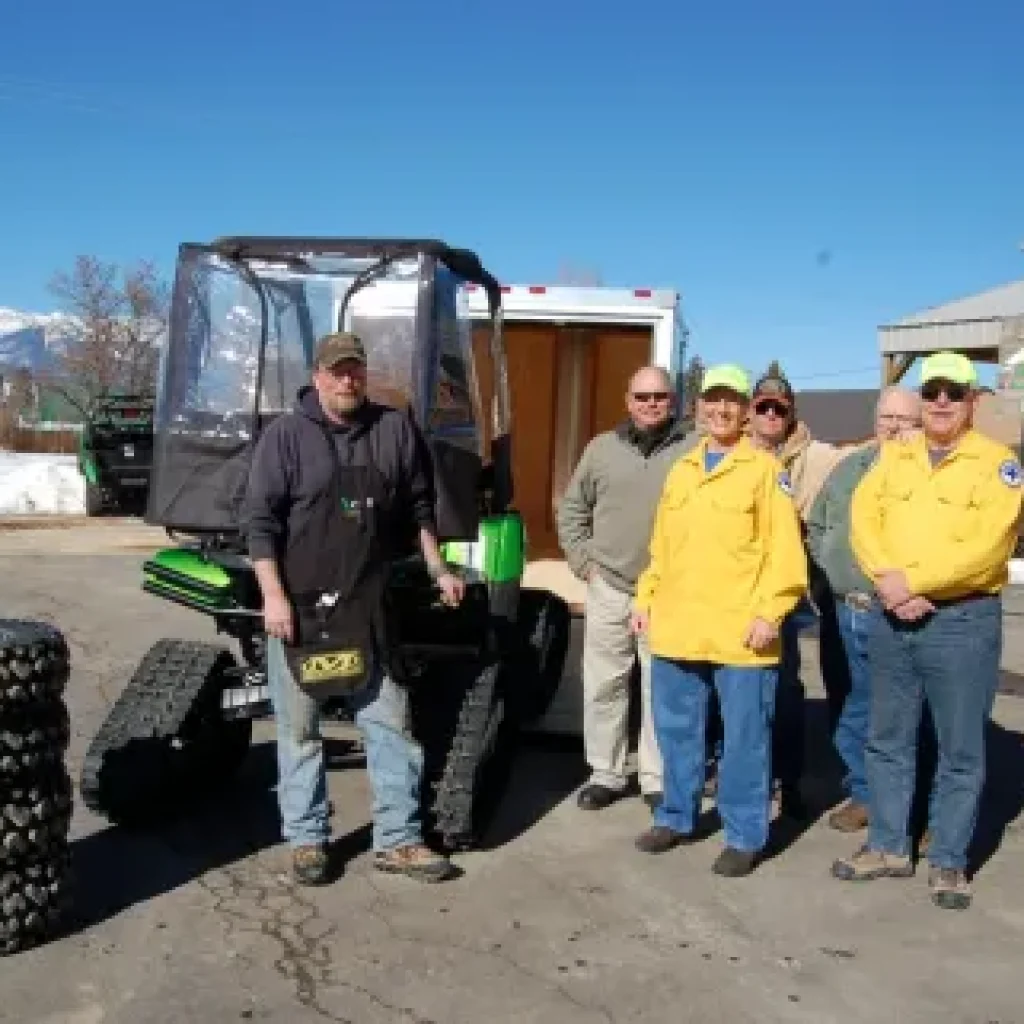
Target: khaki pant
{"type": "Point", "coordinates": [609, 652]}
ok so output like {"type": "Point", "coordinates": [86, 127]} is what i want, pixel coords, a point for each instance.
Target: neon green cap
{"type": "Point", "coordinates": [949, 366]}
{"type": "Point", "coordinates": [726, 375]}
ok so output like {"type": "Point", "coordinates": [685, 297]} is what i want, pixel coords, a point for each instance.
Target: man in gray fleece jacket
{"type": "Point", "coordinates": [604, 527]}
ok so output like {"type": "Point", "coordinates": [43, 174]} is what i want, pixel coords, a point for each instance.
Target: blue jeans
{"type": "Point", "coordinates": [851, 732]}
{"type": "Point", "coordinates": [679, 705]}
{"type": "Point", "coordinates": [951, 660]}
{"type": "Point", "coordinates": [394, 760]}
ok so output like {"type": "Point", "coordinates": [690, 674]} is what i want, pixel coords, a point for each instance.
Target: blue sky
{"type": "Point", "coordinates": [798, 173]}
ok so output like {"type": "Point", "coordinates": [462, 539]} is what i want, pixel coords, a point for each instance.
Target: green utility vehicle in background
{"type": "Point", "coordinates": [115, 453]}
{"type": "Point", "coordinates": [246, 314]}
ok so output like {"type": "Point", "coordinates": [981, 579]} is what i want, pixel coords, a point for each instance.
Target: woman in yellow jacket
{"type": "Point", "coordinates": [727, 565]}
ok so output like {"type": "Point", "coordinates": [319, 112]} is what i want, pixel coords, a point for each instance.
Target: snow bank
{"type": "Point", "coordinates": [32, 483]}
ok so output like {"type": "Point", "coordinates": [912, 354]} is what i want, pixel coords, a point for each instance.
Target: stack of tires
{"type": "Point", "coordinates": [35, 788]}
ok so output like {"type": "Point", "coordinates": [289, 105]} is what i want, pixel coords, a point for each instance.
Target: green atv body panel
{"type": "Point", "coordinates": [187, 576]}
{"type": "Point", "coordinates": [498, 554]}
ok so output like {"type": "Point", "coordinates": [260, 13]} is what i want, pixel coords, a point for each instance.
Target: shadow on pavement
{"type": "Point", "coordinates": [1003, 797]}
{"type": "Point", "coordinates": [117, 867]}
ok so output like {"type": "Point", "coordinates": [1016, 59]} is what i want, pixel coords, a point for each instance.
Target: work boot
{"type": "Point", "coordinates": [661, 839]}
{"type": "Point", "coordinates": [851, 817]}
{"type": "Point", "coordinates": [415, 860]}
{"type": "Point", "coordinates": [867, 864]}
{"type": "Point", "coordinates": [596, 798]}
{"type": "Point", "coordinates": [733, 863]}
{"type": "Point", "coordinates": [950, 888]}
{"type": "Point", "coordinates": [311, 864]}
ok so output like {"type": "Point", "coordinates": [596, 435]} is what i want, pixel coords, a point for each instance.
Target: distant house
{"type": "Point", "coordinates": [838, 417]}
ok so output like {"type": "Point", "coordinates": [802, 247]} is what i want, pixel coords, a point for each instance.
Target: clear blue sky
{"type": "Point", "coordinates": [798, 174]}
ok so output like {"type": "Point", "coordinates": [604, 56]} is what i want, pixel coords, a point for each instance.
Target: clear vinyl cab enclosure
{"type": "Point", "coordinates": [246, 315]}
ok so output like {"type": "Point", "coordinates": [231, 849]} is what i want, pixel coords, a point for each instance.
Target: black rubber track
{"type": "Point", "coordinates": [35, 897]}
{"type": "Point", "coordinates": [33, 740]}
{"type": "Point", "coordinates": [466, 735]}
{"type": "Point", "coordinates": [35, 817]}
{"type": "Point", "coordinates": [164, 740]}
{"type": "Point", "coordinates": [34, 664]}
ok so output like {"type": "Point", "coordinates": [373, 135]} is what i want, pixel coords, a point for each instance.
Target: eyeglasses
{"type": "Point", "coordinates": [771, 406]}
{"type": "Point", "coordinates": [955, 392]}
{"type": "Point", "coordinates": [651, 396]}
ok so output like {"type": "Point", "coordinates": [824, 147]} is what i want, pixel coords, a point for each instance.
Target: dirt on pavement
{"type": "Point", "coordinates": [558, 921]}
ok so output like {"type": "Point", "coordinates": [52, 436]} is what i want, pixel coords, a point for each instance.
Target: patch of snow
{"type": "Point", "coordinates": [40, 484]}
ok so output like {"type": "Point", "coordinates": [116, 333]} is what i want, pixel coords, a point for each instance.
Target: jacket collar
{"type": "Point", "coordinates": [742, 451]}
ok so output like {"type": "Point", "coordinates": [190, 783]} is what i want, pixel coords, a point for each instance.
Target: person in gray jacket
{"type": "Point", "coordinates": [604, 524]}
{"type": "Point", "coordinates": [897, 416]}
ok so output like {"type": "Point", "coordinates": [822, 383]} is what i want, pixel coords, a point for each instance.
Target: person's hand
{"type": "Point", "coordinates": [892, 588]}
{"type": "Point", "coordinates": [914, 609]}
{"type": "Point", "coordinates": [638, 623]}
{"type": "Point", "coordinates": [278, 619]}
{"type": "Point", "coordinates": [760, 635]}
{"type": "Point", "coordinates": [452, 587]}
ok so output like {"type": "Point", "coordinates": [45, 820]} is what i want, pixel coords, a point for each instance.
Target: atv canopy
{"type": "Point", "coordinates": [246, 314]}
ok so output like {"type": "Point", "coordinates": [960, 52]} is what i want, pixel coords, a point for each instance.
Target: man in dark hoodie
{"type": "Point", "coordinates": [335, 486]}
{"type": "Point", "coordinates": [604, 527]}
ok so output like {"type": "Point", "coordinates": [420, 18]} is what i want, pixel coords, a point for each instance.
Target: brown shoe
{"type": "Point", "coordinates": [851, 817]}
{"type": "Point", "coordinates": [311, 865]}
{"type": "Point", "coordinates": [416, 861]}
{"type": "Point", "coordinates": [950, 888]}
{"type": "Point", "coordinates": [661, 839]}
{"type": "Point", "coordinates": [867, 864]}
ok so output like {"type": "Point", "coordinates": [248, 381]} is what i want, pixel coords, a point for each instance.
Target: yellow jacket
{"type": "Point", "coordinates": [725, 550]}
{"type": "Point", "coordinates": [950, 529]}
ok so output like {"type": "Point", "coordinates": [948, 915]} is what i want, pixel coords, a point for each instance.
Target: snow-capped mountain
{"type": "Point", "coordinates": [31, 339]}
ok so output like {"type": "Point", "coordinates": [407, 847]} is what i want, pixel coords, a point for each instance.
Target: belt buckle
{"type": "Point", "coordinates": [858, 601]}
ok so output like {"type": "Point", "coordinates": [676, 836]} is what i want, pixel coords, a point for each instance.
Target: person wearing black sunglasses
{"type": "Point", "coordinates": [604, 524]}
{"type": "Point", "coordinates": [775, 426]}
{"type": "Point", "coordinates": [933, 524]}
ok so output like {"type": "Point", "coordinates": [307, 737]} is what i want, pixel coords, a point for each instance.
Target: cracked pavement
{"type": "Point", "coordinates": [560, 921]}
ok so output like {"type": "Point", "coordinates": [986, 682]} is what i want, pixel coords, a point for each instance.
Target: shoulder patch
{"type": "Point", "coordinates": [1010, 473]}
{"type": "Point", "coordinates": [785, 485]}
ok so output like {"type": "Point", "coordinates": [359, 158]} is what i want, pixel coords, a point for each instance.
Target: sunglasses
{"type": "Point", "coordinates": [778, 408]}
{"type": "Point", "coordinates": [651, 396]}
{"type": "Point", "coordinates": [954, 392]}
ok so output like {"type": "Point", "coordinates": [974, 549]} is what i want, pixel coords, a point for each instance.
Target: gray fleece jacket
{"type": "Point", "coordinates": [605, 518]}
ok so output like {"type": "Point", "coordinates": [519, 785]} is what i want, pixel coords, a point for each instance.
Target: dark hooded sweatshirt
{"type": "Point", "coordinates": [292, 473]}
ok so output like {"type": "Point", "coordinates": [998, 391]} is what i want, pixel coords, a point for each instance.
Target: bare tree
{"type": "Point", "coordinates": [690, 388]}
{"type": "Point", "coordinates": [117, 321]}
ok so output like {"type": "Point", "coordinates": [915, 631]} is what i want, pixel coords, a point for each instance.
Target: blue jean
{"type": "Point", "coordinates": [951, 660]}
{"type": "Point", "coordinates": [851, 732]}
{"type": "Point", "coordinates": [394, 759]}
{"type": "Point", "coordinates": [679, 705]}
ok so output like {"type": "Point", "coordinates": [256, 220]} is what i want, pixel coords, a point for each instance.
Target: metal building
{"type": "Point", "coordinates": [988, 327]}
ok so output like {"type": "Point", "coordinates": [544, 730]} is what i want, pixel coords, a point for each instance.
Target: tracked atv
{"type": "Point", "coordinates": [246, 314]}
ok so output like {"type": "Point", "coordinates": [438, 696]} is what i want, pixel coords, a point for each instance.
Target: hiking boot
{"type": "Point", "coordinates": [867, 864]}
{"type": "Point", "coordinates": [661, 839]}
{"type": "Point", "coordinates": [416, 861]}
{"type": "Point", "coordinates": [732, 863]}
{"type": "Point", "coordinates": [311, 864]}
{"type": "Point", "coordinates": [851, 817]}
{"type": "Point", "coordinates": [950, 888]}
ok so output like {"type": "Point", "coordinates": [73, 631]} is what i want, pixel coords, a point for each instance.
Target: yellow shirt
{"type": "Point", "coordinates": [951, 529]}
{"type": "Point", "coordinates": [726, 549]}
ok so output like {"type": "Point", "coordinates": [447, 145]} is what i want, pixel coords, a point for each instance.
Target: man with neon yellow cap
{"type": "Point", "coordinates": [933, 524]}
{"type": "Point", "coordinates": [727, 565]}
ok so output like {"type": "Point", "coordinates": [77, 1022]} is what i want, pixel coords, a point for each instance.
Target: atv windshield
{"type": "Point", "coordinates": [241, 342]}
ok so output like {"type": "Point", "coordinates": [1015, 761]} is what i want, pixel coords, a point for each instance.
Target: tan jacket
{"type": "Point", "coordinates": [808, 463]}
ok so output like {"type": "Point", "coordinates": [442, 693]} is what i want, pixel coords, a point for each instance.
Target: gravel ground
{"type": "Point", "coordinates": [559, 920]}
